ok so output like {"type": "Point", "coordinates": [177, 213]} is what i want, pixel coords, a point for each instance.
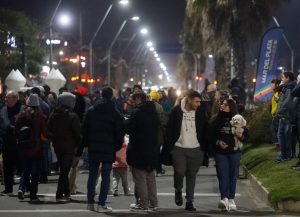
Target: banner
{"type": "Point", "coordinates": [267, 64]}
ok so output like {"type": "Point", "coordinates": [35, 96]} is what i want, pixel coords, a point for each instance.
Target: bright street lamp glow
{"type": "Point", "coordinates": [158, 59]}
{"type": "Point", "coordinates": [124, 2]}
{"type": "Point", "coordinates": [210, 56]}
{"type": "Point", "coordinates": [64, 19]}
{"type": "Point", "coordinates": [160, 76]}
{"type": "Point", "coordinates": [149, 44]}
{"type": "Point", "coordinates": [151, 48]}
{"type": "Point", "coordinates": [61, 53]}
{"type": "Point", "coordinates": [156, 55]}
{"type": "Point", "coordinates": [144, 31]}
{"type": "Point", "coordinates": [135, 18]}
{"type": "Point", "coordinates": [131, 79]}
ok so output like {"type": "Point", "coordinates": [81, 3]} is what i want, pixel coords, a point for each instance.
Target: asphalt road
{"type": "Point", "coordinates": [206, 200]}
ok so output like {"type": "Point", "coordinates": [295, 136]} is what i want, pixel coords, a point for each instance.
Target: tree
{"type": "Point", "coordinates": [19, 44]}
{"type": "Point", "coordinates": [222, 26]}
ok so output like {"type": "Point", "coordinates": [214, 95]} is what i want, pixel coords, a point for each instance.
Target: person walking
{"type": "Point", "coordinates": [185, 142]}
{"type": "Point", "coordinates": [33, 121]}
{"type": "Point", "coordinates": [143, 150]}
{"type": "Point", "coordinates": [10, 154]}
{"type": "Point", "coordinates": [64, 124]}
{"type": "Point", "coordinates": [103, 134]}
{"type": "Point", "coordinates": [226, 157]}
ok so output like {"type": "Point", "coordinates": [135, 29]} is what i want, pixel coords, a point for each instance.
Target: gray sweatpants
{"type": "Point", "coordinates": [145, 186]}
{"type": "Point", "coordinates": [186, 163]}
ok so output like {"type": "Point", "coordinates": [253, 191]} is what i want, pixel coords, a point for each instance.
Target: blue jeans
{"type": "Point", "coordinates": [31, 173]}
{"type": "Point", "coordinates": [227, 166]}
{"type": "Point", "coordinates": [285, 138]}
{"type": "Point", "coordinates": [274, 129]}
{"type": "Point", "coordinates": [105, 175]}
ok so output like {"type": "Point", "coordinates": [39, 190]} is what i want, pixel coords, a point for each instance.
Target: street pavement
{"type": "Point", "coordinates": [206, 200]}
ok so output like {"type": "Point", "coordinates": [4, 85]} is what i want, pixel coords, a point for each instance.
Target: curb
{"type": "Point", "coordinates": [260, 190]}
{"type": "Point", "coordinates": [263, 193]}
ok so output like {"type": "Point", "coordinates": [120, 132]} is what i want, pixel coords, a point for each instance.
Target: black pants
{"type": "Point", "coordinates": [11, 162]}
{"type": "Point", "coordinates": [65, 162]}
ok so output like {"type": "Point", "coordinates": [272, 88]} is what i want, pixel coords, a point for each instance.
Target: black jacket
{"type": "Point", "coordinates": [174, 127]}
{"type": "Point", "coordinates": [102, 131]}
{"type": "Point", "coordinates": [142, 127]}
{"type": "Point", "coordinates": [220, 129]}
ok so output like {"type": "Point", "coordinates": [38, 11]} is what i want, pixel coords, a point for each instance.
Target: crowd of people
{"type": "Point", "coordinates": [121, 131]}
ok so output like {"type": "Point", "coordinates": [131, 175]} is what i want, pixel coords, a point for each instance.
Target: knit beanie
{"type": "Point", "coordinates": [33, 100]}
{"type": "Point", "coordinates": [154, 95]}
{"type": "Point", "coordinates": [66, 99]}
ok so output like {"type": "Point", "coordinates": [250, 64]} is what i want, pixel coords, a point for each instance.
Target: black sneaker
{"type": "Point", "coordinates": [20, 195]}
{"type": "Point", "coordinates": [6, 193]}
{"type": "Point", "coordinates": [178, 198]}
{"type": "Point", "coordinates": [189, 206]}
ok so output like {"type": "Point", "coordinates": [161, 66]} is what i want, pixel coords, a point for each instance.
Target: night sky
{"type": "Point", "coordinates": [164, 18]}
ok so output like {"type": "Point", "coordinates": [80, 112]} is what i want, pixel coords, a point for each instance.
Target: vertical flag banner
{"type": "Point", "coordinates": [267, 64]}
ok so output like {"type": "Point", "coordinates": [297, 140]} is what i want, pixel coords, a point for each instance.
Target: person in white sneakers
{"type": "Point", "coordinates": [226, 157]}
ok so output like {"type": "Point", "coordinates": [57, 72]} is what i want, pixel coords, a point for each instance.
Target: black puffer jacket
{"type": "Point", "coordinates": [102, 131]}
{"type": "Point", "coordinates": [142, 127]}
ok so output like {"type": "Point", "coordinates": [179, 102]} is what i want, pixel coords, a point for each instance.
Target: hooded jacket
{"type": "Point", "coordinates": [174, 126]}
{"type": "Point", "coordinates": [64, 124]}
{"type": "Point", "coordinates": [285, 103]}
{"type": "Point", "coordinates": [142, 127]}
{"type": "Point", "coordinates": [102, 131]}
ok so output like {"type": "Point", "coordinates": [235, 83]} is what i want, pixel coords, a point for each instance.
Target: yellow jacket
{"type": "Point", "coordinates": [275, 99]}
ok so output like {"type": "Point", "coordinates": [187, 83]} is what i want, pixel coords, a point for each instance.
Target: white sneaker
{"type": "Point", "coordinates": [104, 208]}
{"type": "Point", "coordinates": [224, 204]}
{"type": "Point", "coordinates": [232, 205]}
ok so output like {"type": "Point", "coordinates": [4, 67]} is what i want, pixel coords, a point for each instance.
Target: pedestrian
{"type": "Point", "coordinates": [10, 154]}
{"type": "Point", "coordinates": [120, 171]}
{"type": "Point", "coordinates": [30, 148]}
{"type": "Point", "coordinates": [155, 96]}
{"type": "Point", "coordinates": [103, 135]}
{"type": "Point", "coordinates": [226, 157]}
{"type": "Point", "coordinates": [286, 113]}
{"type": "Point", "coordinates": [64, 124]}
{"type": "Point", "coordinates": [275, 119]}
{"type": "Point", "coordinates": [143, 150]}
{"type": "Point", "coordinates": [185, 143]}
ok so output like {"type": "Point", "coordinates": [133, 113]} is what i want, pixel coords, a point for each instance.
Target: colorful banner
{"type": "Point", "coordinates": [267, 64]}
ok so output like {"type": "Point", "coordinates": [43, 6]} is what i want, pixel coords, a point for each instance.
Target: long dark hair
{"type": "Point", "coordinates": [233, 111]}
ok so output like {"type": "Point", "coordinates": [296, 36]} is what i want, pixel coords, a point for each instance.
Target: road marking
{"type": "Point", "coordinates": [158, 194]}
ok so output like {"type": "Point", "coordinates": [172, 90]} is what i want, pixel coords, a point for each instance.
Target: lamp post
{"type": "Point", "coordinates": [121, 2]}
{"type": "Point", "coordinates": [50, 33]}
{"type": "Point", "coordinates": [94, 36]}
{"type": "Point", "coordinates": [111, 46]}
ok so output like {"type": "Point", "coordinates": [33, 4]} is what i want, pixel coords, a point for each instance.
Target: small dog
{"type": "Point", "coordinates": [238, 123]}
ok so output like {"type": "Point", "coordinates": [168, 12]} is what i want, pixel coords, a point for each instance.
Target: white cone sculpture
{"type": "Point", "coordinates": [15, 80]}
{"type": "Point", "coordinates": [55, 80]}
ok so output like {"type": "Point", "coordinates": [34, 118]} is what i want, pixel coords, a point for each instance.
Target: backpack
{"type": "Point", "coordinates": [24, 138]}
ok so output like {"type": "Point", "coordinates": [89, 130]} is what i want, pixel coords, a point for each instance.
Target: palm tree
{"type": "Point", "coordinates": [222, 26]}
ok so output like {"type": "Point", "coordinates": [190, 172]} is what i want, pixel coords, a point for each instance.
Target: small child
{"type": "Point", "coordinates": [120, 168]}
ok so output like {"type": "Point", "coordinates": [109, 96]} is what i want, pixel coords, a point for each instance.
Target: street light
{"type": "Point", "coordinates": [50, 32]}
{"type": "Point", "coordinates": [64, 19]}
{"type": "Point", "coordinates": [122, 2]}
{"type": "Point", "coordinates": [111, 46]}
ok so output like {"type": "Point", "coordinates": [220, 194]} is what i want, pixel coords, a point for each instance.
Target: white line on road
{"type": "Point", "coordinates": [159, 194]}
